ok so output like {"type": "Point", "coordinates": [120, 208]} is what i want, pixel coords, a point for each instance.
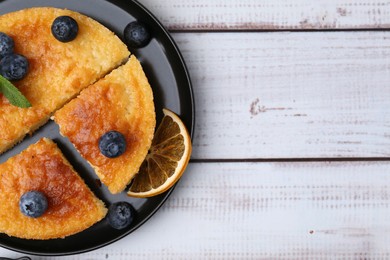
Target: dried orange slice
{"type": "Point", "coordinates": [167, 158]}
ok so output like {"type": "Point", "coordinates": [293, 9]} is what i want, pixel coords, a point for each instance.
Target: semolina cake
{"type": "Point", "coordinates": [72, 207]}
{"type": "Point", "coordinates": [122, 102]}
{"type": "Point", "coordinates": [58, 71]}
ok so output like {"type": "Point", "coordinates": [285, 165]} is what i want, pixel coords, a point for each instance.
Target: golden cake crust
{"type": "Point", "coordinates": [57, 71]}
{"type": "Point", "coordinates": [122, 101]}
{"type": "Point", "coordinates": [72, 207]}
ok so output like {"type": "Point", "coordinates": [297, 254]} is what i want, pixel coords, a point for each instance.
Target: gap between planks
{"type": "Point", "coordinates": [260, 30]}
{"type": "Point", "coordinates": [292, 160]}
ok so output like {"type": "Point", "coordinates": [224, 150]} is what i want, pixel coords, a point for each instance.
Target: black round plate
{"type": "Point", "coordinates": [171, 85]}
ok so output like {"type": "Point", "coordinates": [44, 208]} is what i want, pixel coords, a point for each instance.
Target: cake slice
{"type": "Point", "coordinates": [58, 71]}
{"type": "Point", "coordinates": [122, 102]}
{"type": "Point", "coordinates": [72, 207]}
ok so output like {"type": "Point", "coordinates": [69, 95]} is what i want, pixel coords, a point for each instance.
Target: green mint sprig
{"type": "Point", "coordinates": [14, 96]}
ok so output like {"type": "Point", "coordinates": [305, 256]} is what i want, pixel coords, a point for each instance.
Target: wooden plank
{"type": "Point", "coordinates": [270, 15]}
{"type": "Point", "coordinates": [267, 210]}
{"type": "Point", "coordinates": [290, 95]}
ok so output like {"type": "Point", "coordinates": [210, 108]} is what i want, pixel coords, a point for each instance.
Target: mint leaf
{"type": "Point", "coordinates": [14, 96]}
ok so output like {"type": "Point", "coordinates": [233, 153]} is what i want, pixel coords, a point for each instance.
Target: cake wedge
{"type": "Point", "coordinates": [72, 207]}
{"type": "Point", "coordinates": [121, 102]}
{"type": "Point", "coordinates": [57, 70]}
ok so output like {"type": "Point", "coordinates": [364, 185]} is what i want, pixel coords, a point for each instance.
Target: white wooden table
{"type": "Point", "coordinates": [291, 153]}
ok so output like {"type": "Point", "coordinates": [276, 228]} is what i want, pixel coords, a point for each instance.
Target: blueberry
{"type": "Point", "coordinates": [136, 35]}
{"type": "Point", "coordinates": [64, 28]}
{"type": "Point", "coordinates": [6, 45]}
{"type": "Point", "coordinates": [33, 204]}
{"type": "Point", "coordinates": [13, 66]}
{"type": "Point", "coordinates": [112, 144]}
{"type": "Point", "coordinates": [120, 215]}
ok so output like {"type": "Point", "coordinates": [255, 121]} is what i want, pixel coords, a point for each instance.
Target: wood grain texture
{"type": "Point", "coordinates": [266, 211]}
{"type": "Point", "coordinates": [290, 95]}
{"type": "Point", "coordinates": [270, 15]}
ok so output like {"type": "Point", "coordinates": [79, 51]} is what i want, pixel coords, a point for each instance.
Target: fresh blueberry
{"type": "Point", "coordinates": [112, 144]}
{"type": "Point", "coordinates": [136, 35]}
{"type": "Point", "coordinates": [64, 28]}
{"type": "Point", "coordinates": [6, 45]}
{"type": "Point", "coordinates": [33, 204]}
{"type": "Point", "coordinates": [13, 66]}
{"type": "Point", "coordinates": [120, 215]}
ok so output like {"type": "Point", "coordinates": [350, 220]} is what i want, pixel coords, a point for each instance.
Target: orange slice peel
{"type": "Point", "coordinates": [167, 159]}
